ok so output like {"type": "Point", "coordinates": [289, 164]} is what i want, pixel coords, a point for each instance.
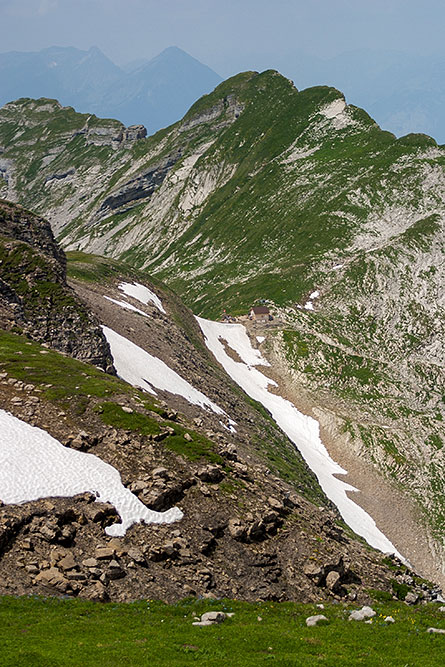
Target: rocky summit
{"type": "Point", "coordinates": [262, 195]}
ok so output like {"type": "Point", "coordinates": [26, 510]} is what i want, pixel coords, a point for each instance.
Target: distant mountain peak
{"type": "Point", "coordinates": [174, 50]}
{"type": "Point", "coordinates": [174, 54]}
{"type": "Point", "coordinates": [154, 92]}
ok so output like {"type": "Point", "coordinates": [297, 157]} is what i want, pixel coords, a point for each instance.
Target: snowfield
{"type": "Point", "coordinates": [302, 430]}
{"type": "Point", "coordinates": [142, 294]}
{"type": "Point", "coordinates": [141, 369]}
{"type": "Point", "coordinates": [35, 465]}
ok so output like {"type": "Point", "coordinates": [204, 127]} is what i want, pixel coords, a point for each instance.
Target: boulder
{"type": "Point", "coordinates": [137, 556]}
{"type": "Point", "coordinates": [361, 614]}
{"type": "Point", "coordinates": [54, 578]}
{"type": "Point", "coordinates": [313, 571]}
{"type": "Point", "coordinates": [314, 620]}
{"type": "Point", "coordinates": [210, 474]}
{"type": "Point", "coordinates": [104, 553]}
{"type": "Point", "coordinates": [97, 592]}
{"type": "Point", "coordinates": [257, 531]}
{"type": "Point", "coordinates": [211, 618]}
{"type": "Point", "coordinates": [49, 533]}
{"type": "Point", "coordinates": [333, 580]}
{"type": "Point", "coordinates": [275, 504]}
{"type": "Point", "coordinates": [437, 631]}
{"type": "Point", "coordinates": [237, 530]}
{"type": "Point", "coordinates": [229, 452]}
{"type": "Point", "coordinates": [67, 563]}
{"type": "Point", "coordinates": [160, 472]}
{"type": "Point", "coordinates": [115, 571]}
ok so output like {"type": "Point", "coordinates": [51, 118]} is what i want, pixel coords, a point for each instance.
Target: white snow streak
{"type": "Point", "coordinates": [302, 430]}
{"type": "Point", "coordinates": [309, 305]}
{"type": "Point", "coordinates": [35, 465]}
{"type": "Point", "coordinates": [126, 305]}
{"type": "Point", "coordinates": [141, 369]}
{"type": "Point", "coordinates": [142, 294]}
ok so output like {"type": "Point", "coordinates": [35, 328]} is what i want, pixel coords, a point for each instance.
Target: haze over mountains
{"type": "Point", "coordinates": [402, 92]}
{"type": "Point", "coordinates": [155, 92]}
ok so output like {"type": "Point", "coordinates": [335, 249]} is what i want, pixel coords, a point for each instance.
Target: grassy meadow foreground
{"type": "Point", "coordinates": [55, 632]}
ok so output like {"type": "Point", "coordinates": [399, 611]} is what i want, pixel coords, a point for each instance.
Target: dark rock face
{"type": "Point", "coordinates": [141, 187]}
{"type": "Point", "coordinates": [34, 297]}
{"type": "Point", "coordinates": [134, 132]}
{"type": "Point", "coordinates": [21, 225]}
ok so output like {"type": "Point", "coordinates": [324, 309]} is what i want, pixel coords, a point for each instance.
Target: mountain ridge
{"type": "Point", "coordinates": [263, 192]}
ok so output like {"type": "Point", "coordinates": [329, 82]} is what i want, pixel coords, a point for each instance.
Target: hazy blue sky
{"type": "Point", "coordinates": [228, 35]}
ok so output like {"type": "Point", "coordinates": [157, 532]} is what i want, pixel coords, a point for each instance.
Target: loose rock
{"type": "Point", "coordinates": [211, 618]}
{"type": "Point", "coordinates": [361, 614]}
{"type": "Point", "coordinates": [314, 620]}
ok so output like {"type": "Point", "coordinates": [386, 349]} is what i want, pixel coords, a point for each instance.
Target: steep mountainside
{"type": "Point", "coordinates": [35, 299]}
{"type": "Point", "coordinates": [156, 93]}
{"type": "Point", "coordinates": [264, 192]}
{"type": "Point", "coordinates": [257, 173]}
{"type": "Point", "coordinates": [255, 523]}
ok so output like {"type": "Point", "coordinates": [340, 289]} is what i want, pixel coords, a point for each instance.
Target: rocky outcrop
{"type": "Point", "coordinates": [58, 547]}
{"type": "Point", "coordinates": [229, 109]}
{"type": "Point", "coordinates": [134, 132]}
{"type": "Point", "coordinates": [34, 296]}
{"type": "Point", "coordinates": [139, 188]}
{"type": "Point", "coordinates": [21, 225]}
{"type": "Point", "coordinates": [115, 135]}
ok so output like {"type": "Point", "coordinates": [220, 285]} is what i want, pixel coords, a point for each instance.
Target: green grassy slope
{"type": "Point", "coordinates": [152, 632]}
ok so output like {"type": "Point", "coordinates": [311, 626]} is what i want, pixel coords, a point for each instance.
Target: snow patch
{"type": "Point", "coordinates": [309, 305]}
{"type": "Point", "coordinates": [35, 465]}
{"type": "Point", "coordinates": [142, 294]}
{"type": "Point", "coordinates": [141, 369]}
{"type": "Point", "coordinates": [302, 430]}
{"type": "Point", "coordinates": [260, 339]}
{"type": "Point", "coordinates": [126, 305]}
{"type": "Point", "coordinates": [231, 427]}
